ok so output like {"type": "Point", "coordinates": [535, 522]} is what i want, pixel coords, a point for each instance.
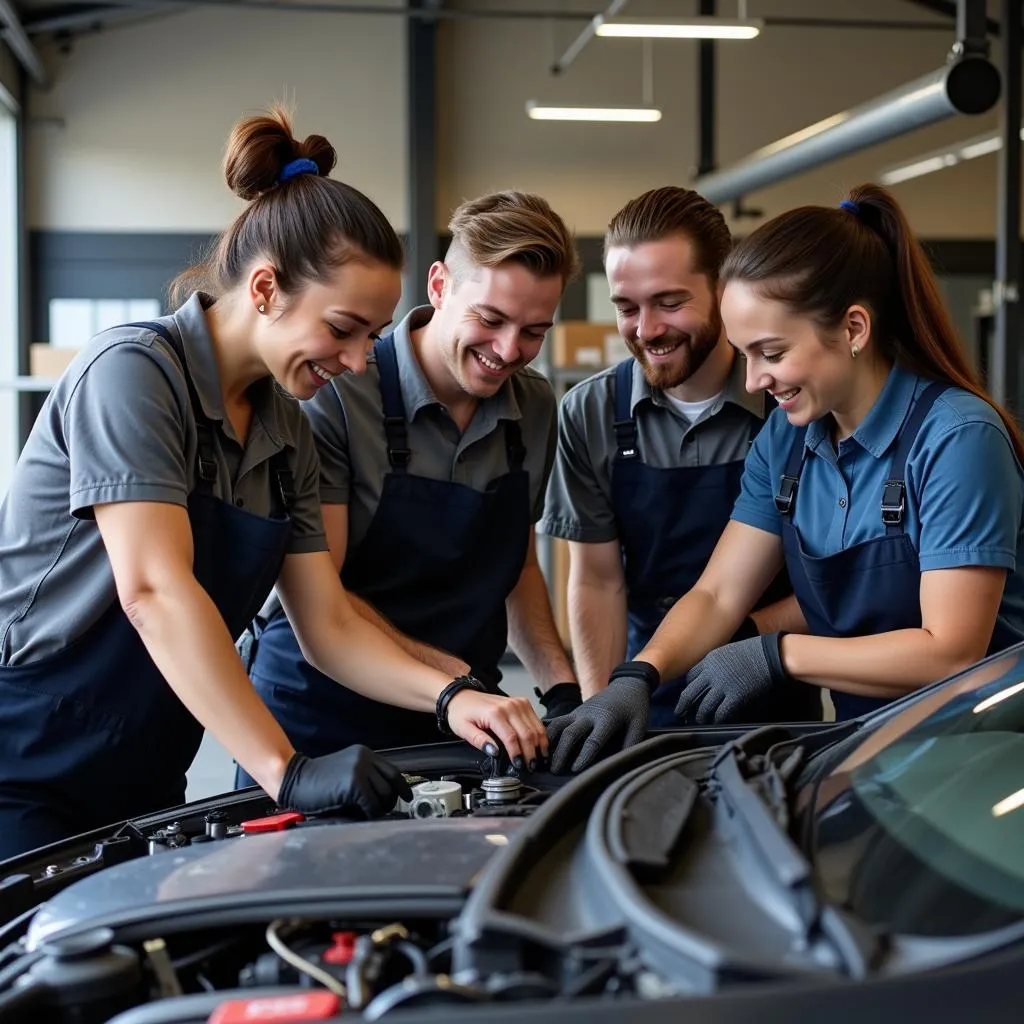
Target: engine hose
{"type": "Point", "coordinates": [15, 1002]}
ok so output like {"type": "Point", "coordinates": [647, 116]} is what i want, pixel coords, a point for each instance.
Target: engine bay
{"type": "Point", "coordinates": [232, 909]}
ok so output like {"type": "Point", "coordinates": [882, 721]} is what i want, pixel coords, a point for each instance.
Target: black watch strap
{"type": "Point", "coordinates": [444, 698]}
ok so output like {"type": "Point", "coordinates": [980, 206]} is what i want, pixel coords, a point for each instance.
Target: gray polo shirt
{"type": "Point", "coordinates": [579, 498]}
{"type": "Point", "coordinates": [118, 426]}
{"type": "Point", "coordinates": [348, 421]}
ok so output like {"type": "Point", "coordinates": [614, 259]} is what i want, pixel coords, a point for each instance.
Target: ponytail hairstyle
{"type": "Point", "coordinates": [818, 261]}
{"type": "Point", "coordinates": [303, 222]}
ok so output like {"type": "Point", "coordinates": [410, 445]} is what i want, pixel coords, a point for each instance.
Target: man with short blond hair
{"type": "Point", "coordinates": [434, 466]}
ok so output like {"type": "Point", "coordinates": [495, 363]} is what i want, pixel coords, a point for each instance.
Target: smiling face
{"type": "Point", "coordinates": [810, 373]}
{"type": "Point", "coordinates": [667, 313]}
{"type": "Point", "coordinates": [487, 324]}
{"type": "Point", "coordinates": [329, 327]}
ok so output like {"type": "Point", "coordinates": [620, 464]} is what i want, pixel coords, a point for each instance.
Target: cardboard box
{"type": "Point", "coordinates": [49, 361]}
{"type": "Point", "coordinates": [580, 344]}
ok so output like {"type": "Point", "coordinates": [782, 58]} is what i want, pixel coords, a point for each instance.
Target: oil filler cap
{"type": "Point", "coordinates": [298, 1007]}
{"type": "Point", "coordinates": [273, 823]}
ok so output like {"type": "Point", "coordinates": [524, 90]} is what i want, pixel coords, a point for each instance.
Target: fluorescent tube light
{"type": "Point", "coordinates": [969, 149]}
{"type": "Point", "coordinates": [540, 112]}
{"type": "Point", "coordinates": [677, 28]}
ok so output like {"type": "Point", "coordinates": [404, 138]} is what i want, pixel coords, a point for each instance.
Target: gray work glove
{"type": "Point", "coordinates": [730, 678]}
{"type": "Point", "coordinates": [617, 716]}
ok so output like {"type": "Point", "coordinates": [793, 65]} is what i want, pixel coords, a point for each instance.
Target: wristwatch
{"type": "Point", "coordinates": [444, 698]}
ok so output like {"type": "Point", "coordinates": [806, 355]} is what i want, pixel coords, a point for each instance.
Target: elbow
{"type": "Point", "coordinates": [958, 658]}
{"type": "Point", "coordinates": [138, 603]}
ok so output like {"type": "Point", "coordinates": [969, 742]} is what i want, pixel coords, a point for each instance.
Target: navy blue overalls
{"type": "Point", "coordinates": [94, 733]}
{"type": "Point", "coordinates": [872, 587]}
{"type": "Point", "coordinates": [438, 560]}
{"type": "Point", "coordinates": [669, 521]}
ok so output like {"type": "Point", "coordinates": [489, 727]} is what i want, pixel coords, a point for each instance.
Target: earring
{"type": "Point", "coordinates": [261, 308]}
{"type": "Point", "coordinates": [855, 351]}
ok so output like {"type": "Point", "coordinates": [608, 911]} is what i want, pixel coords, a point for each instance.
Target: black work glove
{"type": "Point", "coordinates": [560, 699]}
{"type": "Point", "coordinates": [578, 739]}
{"type": "Point", "coordinates": [729, 678]}
{"type": "Point", "coordinates": [353, 779]}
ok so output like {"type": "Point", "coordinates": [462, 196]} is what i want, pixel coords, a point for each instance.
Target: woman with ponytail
{"type": "Point", "coordinates": [888, 481]}
{"type": "Point", "coordinates": [170, 481]}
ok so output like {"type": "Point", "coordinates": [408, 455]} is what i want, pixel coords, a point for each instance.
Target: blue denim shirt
{"type": "Point", "coordinates": [964, 485]}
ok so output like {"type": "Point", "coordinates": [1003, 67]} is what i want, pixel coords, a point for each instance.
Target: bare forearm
{"type": "Point", "coordinates": [207, 675]}
{"type": "Point", "coordinates": [783, 616]}
{"type": "Point", "coordinates": [883, 665]}
{"type": "Point", "coordinates": [532, 633]}
{"type": "Point", "coordinates": [696, 624]}
{"type": "Point", "coordinates": [357, 654]}
{"type": "Point", "coordinates": [597, 625]}
{"type": "Point", "coordinates": [430, 656]}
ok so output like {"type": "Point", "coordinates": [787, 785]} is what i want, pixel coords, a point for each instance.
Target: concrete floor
{"type": "Point", "coordinates": [213, 771]}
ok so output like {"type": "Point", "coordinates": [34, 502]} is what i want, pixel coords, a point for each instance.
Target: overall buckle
{"type": "Point", "coordinates": [786, 494]}
{"type": "Point", "coordinates": [207, 468]}
{"type": "Point", "coordinates": [893, 502]}
{"type": "Point", "coordinates": [625, 438]}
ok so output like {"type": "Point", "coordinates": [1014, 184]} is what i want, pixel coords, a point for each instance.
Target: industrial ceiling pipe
{"type": "Point", "coordinates": [967, 85]}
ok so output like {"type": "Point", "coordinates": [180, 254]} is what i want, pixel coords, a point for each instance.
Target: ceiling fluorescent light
{"type": "Point", "coordinates": [969, 149]}
{"type": "Point", "coordinates": [540, 112]}
{"type": "Point", "coordinates": [677, 28]}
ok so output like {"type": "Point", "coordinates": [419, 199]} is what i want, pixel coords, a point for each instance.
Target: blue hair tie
{"type": "Point", "coordinates": [301, 166]}
{"type": "Point", "coordinates": [849, 204]}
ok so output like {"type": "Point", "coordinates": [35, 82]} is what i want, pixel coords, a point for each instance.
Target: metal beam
{"type": "Point", "coordinates": [21, 46]}
{"type": "Point", "coordinates": [955, 9]}
{"type": "Point", "coordinates": [69, 19]}
{"type": "Point", "coordinates": [577, 45]}
{"type": "Point", "coordinates": [1005, 366]}
{"type": "Point", "coordinates": [706, 81]}
{"type": "Point", "coordinates": [967, 85]}
{"type": "Point", "coordinates": [421, 156]}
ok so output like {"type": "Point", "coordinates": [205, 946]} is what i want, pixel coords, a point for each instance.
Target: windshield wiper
{"type": "Point", "coordinates": [755, 793]}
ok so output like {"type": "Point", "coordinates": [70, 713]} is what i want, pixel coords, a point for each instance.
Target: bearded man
{"type": "Point", "coordinates": [650, 456]}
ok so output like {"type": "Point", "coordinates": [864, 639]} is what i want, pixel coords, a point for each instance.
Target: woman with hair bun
{"type": "Point", "coordinates": [888, 480]}
{"type": "Point", "coordinates": [169, 482]}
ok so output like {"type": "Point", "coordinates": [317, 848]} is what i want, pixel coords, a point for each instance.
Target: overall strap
{"type": "Point", "coordinates": [206, 455]}
{"type": "Point", "coordinates": [625, 425]}
{"type": "Point", "coordinates": [283, 493]}
{"type": "Point", "coordinates": [395, 431]}
{"type": "Point", "coordinates": [785, 496]}
{"type": "Point", "coordinates": [515, 450]}
{"type": "Point", "coordinates": [894, 494]}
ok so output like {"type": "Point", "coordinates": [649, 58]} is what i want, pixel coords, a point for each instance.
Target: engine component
{"type": "Point", "coordinates": [502, 789]}
{"type": "Point", "coordinates": [276, 942]}
{"type": "Point", "coordinates": [435, 799]}
{"type": "Point", "coordinates": [88, 975]}
{"type": "Point", "coordinates": [170, 837]}
{"type": "Point", "coordinates": [216, 824]}
{"type": "Point", "coordinates": [433, 990]}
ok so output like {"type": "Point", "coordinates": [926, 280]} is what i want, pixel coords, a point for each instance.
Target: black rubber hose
{"type": "Point", "coordinates": [16, 1001]}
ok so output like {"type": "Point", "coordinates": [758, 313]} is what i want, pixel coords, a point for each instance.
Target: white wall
{"type": "Point", "coordinates": [131, 134]}
{"type": "Point", "coordinates": [767, 88]}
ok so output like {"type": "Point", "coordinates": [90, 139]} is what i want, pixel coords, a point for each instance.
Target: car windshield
{"type": "Point", "coordinates": [917, 823]}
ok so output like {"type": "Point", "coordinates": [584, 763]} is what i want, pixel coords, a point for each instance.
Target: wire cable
{"type": "Point", "coordinates": [300, 963]}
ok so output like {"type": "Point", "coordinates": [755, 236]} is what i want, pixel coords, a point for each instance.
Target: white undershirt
{"type": "Point", "coordinates": [692, 410]}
